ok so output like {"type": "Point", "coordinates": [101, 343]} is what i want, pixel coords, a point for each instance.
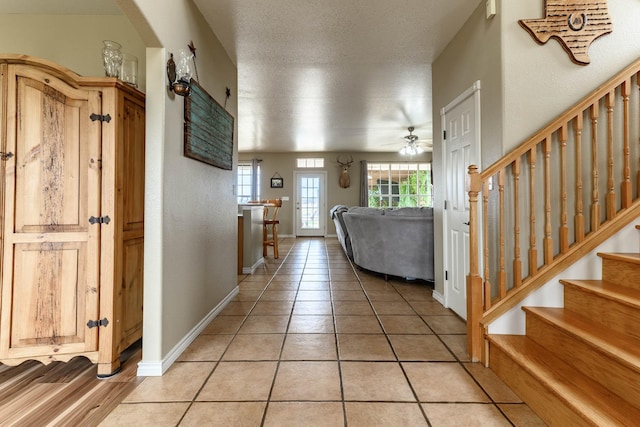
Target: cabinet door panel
{"type": "Point", "coordinates": [52, 187]}
{"type": "Point", "coordinates": [132, 284]}
{"type": "Point", "coordinates": [133, 165]}
{"type": "Point", "coordinates": [48, 310]}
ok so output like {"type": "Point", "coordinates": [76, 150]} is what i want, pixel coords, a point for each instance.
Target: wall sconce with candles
{"type": "Point", "coordinates": [180, 70]}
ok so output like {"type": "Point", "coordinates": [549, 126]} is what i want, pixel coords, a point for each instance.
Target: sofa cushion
{"type": "Point", "coordinates": [423, 211]}
{"type": "Point", "coordinates": [365, 211]}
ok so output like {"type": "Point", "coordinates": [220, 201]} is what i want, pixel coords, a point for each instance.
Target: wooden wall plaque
{"type": "Point", "coordinates": [574, 23]}
{"type": "Point", "coordinates": [208, 129]}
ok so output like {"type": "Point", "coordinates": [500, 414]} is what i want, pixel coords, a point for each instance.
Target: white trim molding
{"type": "Point", "coordinates": [159, 367]}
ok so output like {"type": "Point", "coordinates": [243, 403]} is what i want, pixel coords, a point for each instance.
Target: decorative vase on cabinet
{"type": "Point", "coordinates": [72, 226]}
{"type": "Point", "coordinates": [111, 58]}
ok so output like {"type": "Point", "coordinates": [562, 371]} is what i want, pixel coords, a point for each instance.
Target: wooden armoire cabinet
{"type": "Point", "coordinates": [71, 214]}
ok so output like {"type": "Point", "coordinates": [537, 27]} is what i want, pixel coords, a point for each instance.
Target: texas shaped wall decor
{"type": "Point", "coordinates": [575, 23]}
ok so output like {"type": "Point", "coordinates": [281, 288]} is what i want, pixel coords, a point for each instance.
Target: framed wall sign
{"type": "Point", "coordinates": [208, 129]}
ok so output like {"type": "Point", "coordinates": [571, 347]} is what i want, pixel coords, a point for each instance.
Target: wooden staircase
{"type": "Point", "coordinates": [580, 365]}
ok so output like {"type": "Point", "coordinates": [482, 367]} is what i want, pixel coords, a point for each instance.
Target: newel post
{"type": "Point", "coordinates": [475, 331]}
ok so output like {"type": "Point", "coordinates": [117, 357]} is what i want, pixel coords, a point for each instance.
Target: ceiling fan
{"type": "Point", "coordinates": [412, 145]}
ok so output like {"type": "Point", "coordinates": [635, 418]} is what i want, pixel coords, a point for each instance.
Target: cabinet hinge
{"type": "Point", "coordinates": [94, 117]}
{"type": "Point", "coordinates": [445, 205]}
{"type": "Point", "coordinates": [96, 323]}
{"type": "Point", "coordinates": [444, 135]}
{"type": "Point", "coordinates": [100, 220]}
{"type": "Point", "coordinates": [446, 275]}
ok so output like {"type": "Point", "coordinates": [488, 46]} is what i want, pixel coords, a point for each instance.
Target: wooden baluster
{"type": "Point", "coordinates": [564, 228]}
{"type": "Point", "coordinates": [517, 263]}
{"type": "Point", "coordinates": [475, 331]}
{"type": "Point", "coordinates": [595, 193]}
{"type": "Point", "coordinates": [533, 252]}
{"type": "Point", "coordinates": [547, 240]}
{"type": "Point", "coordinates": [502, 274]}
{"type": "Point", "coordinates": [579, 219]}
{"type": "Point", "coordinates": [638, 174]}
{"type": "Point", "coordinates": [626, 190]}
{"type": "Point", "coordinates": [610, 100]}
{"type": "Point", "coordinates": [485, 238]}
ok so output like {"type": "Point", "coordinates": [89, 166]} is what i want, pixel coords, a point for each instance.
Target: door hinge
{"type": "Point", "coordinates": [100, 220]}
{"type": "Point", "coordinates": [105, 118]}
{"type": "Point", "coordinates": [444, 135]}
{"type": "Point", "coordinates": [445, 205]}
{"type": "Point", "coordinates": [446, 275]}
{"type": "Point", "coordinates": [97, 323]}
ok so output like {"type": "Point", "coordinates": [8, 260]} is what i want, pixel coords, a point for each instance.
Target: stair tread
{"type": "Point", "coordinates": [622, 256]}
{"type": "Point", "coordinates": [624, 294]}
{"type": "Point", "coordinates": [624, 348]}
{"type": "Point", "coordinates": [566, 383]}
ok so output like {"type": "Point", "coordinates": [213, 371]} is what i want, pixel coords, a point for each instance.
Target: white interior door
{"type": "Point", "coordinates": [461, 121]}
{"type": "Point", "coordinates": [310, 211]}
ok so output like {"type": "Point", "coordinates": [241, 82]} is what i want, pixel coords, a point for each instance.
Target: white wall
{"type": "Point", "coordinates": [540, 81]}
{"type": "Point", "coordinates": [524, 85]}
{"type": "Point", "coordinates": [192, 226]}
{"type": "Point", "coordinates": [190, 212]}
{"type": "Point", "coordinates": [474, 54]}
{"type": "Point", "coordinates": [551, 294]}
{"type": "Point", "coordinates": [77, 44]}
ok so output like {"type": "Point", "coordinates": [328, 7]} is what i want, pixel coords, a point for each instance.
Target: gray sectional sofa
{"type": "Point", "coordinates": [396, 242]}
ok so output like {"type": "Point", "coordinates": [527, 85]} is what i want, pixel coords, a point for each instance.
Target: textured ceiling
{"type": "Point", "coordinates": [60, 7]}
{"type": "Point", "coordinates": [334, 75]}
{"type": "Point", "coordinates": [330, 75]}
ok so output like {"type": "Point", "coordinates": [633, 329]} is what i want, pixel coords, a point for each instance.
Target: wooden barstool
{"type": "Point", "coordinates": [274, 207]}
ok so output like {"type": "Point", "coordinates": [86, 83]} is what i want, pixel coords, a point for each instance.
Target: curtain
{"type": "Point", "coordinates": [364, 183]}
{"type": "Point", "coordinates": [255, 179]}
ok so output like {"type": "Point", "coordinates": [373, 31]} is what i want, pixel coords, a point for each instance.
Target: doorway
{"type": "Point", "coordinates": [461, 148]}
{"type": "Point", "coordinates": [310, 204]}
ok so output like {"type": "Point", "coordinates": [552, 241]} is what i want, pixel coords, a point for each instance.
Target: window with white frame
{"type": "Point", "coordinates": [399, 184]}
{"type": "Point", "coordinates": [314, 162]}
{"type": "Point", "coordinates": [248, 181]}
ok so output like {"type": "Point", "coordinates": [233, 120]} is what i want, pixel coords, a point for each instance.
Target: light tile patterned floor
{"type": "Point", "coordinates": [311, 341]}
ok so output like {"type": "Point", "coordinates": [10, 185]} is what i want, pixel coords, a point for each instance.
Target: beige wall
{"type": "Point", "coordinates": [540, 81]}
{"type": "Point", "coordinates": [191, 220]}
{"type": "Point", "coordinates": [474, 54]}
{"type": "Point", "coordinates": [190, 212]}
{"type": "Point", "coordinates": [524, 85]}
{"type": "Point", "coordinates": [77, 43]}
{"type": "Point", "coordinates": [285, 165]}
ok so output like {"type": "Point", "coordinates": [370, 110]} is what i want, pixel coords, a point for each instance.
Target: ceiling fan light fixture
{"type": "Point", "coordinates": [411, 147]}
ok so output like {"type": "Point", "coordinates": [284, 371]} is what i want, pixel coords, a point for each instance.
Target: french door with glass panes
{"type": "Point", "coordinates": [310, 203]}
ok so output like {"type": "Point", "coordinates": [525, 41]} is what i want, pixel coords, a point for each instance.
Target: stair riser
{"type": "Point", "coordinates": [621, 273]}
{"type": "Point", "coordinates": [620, 379]}
{"type": "Point", "coordinates": [611, 314]}
{"type": "Point", "coordinates": [538, 397]}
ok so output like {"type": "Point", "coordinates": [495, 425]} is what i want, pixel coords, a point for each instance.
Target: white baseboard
{"type": "Point", "coordinates": [158, 368]}
{"type": "Point", "coordinates": [250, 270]}
{"type": "Point", "coordinates": [438, 297]}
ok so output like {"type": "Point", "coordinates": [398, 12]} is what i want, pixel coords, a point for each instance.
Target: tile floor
{"type": "Point", "coordinates": [311, 341]}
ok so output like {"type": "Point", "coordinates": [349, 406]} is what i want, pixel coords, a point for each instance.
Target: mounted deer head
{"type": "Point", "coordinates": [345, 181]}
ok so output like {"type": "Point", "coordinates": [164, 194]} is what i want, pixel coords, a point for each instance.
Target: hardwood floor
{"type": "Point", "coordinates": [63, 394]}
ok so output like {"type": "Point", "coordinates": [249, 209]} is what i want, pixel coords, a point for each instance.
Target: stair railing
{"type": "Point", "coordinates": [525, 200]}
